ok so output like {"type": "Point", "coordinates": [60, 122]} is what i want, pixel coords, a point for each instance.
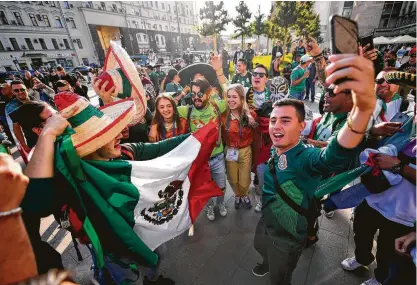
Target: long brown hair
{"type": "Point", "coordinates": [159, 120]}
{"type": "Point", "coordinates": [243, 109]}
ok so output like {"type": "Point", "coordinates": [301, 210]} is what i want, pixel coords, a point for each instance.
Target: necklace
{"type": "Point", "coordinates": [168, 126]}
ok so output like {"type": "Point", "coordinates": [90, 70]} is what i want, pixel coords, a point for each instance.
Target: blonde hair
{"type": "Point", "coordinates": [244, 108]}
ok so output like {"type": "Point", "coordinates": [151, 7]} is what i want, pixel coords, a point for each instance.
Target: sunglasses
{"type": "Point", "coordinates": [19, 90]}
{"type": "Point", "coordinates": [331, 93]}
{"type": "Point", "coordinates": [260, 74]}
{"type": "Point", "coordinates": [199, 94]}
{"type": "Point", "coordinates": [380, 81]}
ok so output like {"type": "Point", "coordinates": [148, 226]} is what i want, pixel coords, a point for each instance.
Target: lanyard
{"type": "Point", "coordinates": [163, 135]}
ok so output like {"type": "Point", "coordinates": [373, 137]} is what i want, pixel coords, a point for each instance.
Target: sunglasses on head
{"type": "Point", "coordinates": [380, 81]}
{"type": "Point", "coordinates": [199, 94]}
{"type": "Point", "coordinates": [19, 90]}
{"type": "Point", "coordinates": [260, 74]}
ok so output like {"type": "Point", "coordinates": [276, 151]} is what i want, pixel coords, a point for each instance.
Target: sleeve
{"type": "Point", "coordinates": [221, 104]}
{"type": "Point", "coordinates": [332, 158]}
{"type": "Point", "coordinates": [170, 88]}
{"type": "Point", "coordinates": [294, 75]}
{"type": "Point", "coordinates": [182, 111]}
{"type": "Point", "coordinates": [234, 79]}
{"type": "Point", "coordinates": [40, 197]}
{"type": "Point", "coordinates": [147, 151]}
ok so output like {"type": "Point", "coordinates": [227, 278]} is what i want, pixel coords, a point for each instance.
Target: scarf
{"type": "Point", "coordinates": [384, 107]}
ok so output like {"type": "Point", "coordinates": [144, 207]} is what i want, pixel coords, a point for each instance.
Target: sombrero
{"type": "Point", "coordinates": [120, 71]}
{"type": "Point", "coordinates": [94, 127]}
{"type": "Point", "coordinates": [401, 78]}
{"type": "Point", "coordinates": [187, 73]}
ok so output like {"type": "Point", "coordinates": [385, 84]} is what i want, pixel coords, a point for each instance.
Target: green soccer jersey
{"type": "Point", "coordinates": [246, 80]}
{"type": "Point", "coordinates": [329, 126]}
{"type": "Point", "coordinates": [199, 118]}
{"type": "Point", "coordinates": [299, 171]}
{"type": "Point", "coordinates": [296, 74]}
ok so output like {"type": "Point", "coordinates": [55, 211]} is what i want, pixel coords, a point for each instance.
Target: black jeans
{"type": "Point", "coordinates": [281, 258]}
{"type": "Point", "coordinates": [367, 222]}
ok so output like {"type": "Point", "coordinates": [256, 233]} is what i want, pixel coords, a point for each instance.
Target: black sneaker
{"type": "Point", "coordinates": [260, 270]}
{"type": "Point", "coordinates": [160, 281]}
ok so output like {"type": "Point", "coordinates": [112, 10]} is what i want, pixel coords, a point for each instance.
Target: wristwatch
{"type": "Point", "coordinates": [397, 169]}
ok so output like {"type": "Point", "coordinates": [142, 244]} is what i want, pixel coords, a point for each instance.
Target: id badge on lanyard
{"type": "Point", "coordinates": [232, 154]}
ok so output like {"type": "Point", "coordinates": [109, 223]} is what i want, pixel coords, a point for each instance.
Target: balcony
{"type": "Point", "coordinates": [40, 29]}
{"type": "Point", "coordinates": [398, 31]}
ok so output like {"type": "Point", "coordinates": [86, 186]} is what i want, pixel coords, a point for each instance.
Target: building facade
{"type": "Point", "coordinates": [141, 26]}
{"type": "Point", "coordinates": [380, 18]}
{"type": "Point", "coordinates": [42, 33]}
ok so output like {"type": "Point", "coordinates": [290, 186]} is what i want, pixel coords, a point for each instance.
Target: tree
{"type": "Point", "coordinates": [281, 20]}
{"type": "Point", "coordinates": [241, 22]}
{"type": "Point", "coordinates": [214, 19]}
{"type": "Point", "coordinates": [259, 27]}
{"type": "Point", "coordinates": [308, 21]}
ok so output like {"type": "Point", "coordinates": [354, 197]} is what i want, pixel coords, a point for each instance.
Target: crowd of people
{"type": "Point", "coordinates": [366, 130]}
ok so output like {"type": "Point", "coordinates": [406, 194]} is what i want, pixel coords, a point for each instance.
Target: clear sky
{"type": "Point", "coordinates": [230, 6]}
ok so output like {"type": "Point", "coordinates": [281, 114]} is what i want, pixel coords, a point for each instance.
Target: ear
{"type": "Point", "coordinates": [303, 125]}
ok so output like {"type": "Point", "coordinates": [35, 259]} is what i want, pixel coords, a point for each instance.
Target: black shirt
{"type": "Point", "coordinates": [3, 102]}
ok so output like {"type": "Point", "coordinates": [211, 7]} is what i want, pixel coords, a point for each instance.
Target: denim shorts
{"type": "Point", "coordinates": [218, 170]}
{"type": "Point", "coordinates": [297, 95]}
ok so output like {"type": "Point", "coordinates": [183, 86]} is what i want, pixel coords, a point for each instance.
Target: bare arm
{"type": "Point", "coordinates": [18, 261]}
{"type": "Point", "coordinates": [314, 50]}
{"type": "Point", "coordinates": [409, 173]}
{"type": "Point", "coordinates": [298, 81]}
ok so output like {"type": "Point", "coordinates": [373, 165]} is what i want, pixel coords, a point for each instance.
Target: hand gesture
{"type": "Point", "coordinates": [306, 74]}
{"type": "Point", "coordinates": [106, 96]}
{"type": "Point", "coordinates": [402, 244]}
{"type": "Point", "coordinates": [359, 75]}
{"type": "Point", "coordinates": [370, 54]}
{"type": "Point", "coordinates": [312, 47]}
{"type": "Point", "coordinates": [56, 124]}
{"type": "Point", "coordinates": [153, 134]}
{"type": "Point", "coordinates": [13, 183]}
{"type": "Point", "coordinates": [216, 62]}
{"type": "Point", "coordinates": [386, 129]}
{"type": "Point", "coordinates": [386, 162]}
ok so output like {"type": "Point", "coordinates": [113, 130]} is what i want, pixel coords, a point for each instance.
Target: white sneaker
{"type": "Point", "coordinates": [210, 213]}
{"type": "Point", "coordinates": [222, 210]}
{"type": "Point", "coordinates": [328, 214]}
{"type": "Point", "coordinates": [350, 264]}
{"type": "Point", "coordinates": [258, 207]}
{"type": "Point", "coordinates": [371, 281]}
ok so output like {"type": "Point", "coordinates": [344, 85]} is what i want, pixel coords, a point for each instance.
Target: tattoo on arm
{"type": "Point", "coordinates": [321, 66]}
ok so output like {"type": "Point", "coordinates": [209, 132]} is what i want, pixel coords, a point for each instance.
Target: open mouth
{"type": "Point", "coordinates": [278, 135]}
{"type": "Point", "coordinates": [198, 101]}
{"type": "Point", "coordinates": [117, 145]}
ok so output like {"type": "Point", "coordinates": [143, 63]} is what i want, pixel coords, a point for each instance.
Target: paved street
{"type": "Point", "coordinates": [221, 252]}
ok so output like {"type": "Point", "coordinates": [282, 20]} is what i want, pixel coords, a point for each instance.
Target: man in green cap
{"type": "Point", "coordinates": [295, 169]}
{"type": "Point", "coordinates": [161, 75]}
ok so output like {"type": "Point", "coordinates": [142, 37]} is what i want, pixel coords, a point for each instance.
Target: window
{"type": "Point", "coordinates": [145, 38]}
{"type": "Point", "coordinates": [166, 28]}
{"type": "Point", "coordinates": [19, 20]}
{"type": "Point", "coordinates": [33, 19]}
{"type": "Point", "coordinates": [72, 23]}
{"type": "Point", "coordinates": [80, 46]}
{"type": "Point", "coordinates": [163, 7]}
{"type": "Point", "coordinates": [156, 4]}
{"type": "Point", "coordinates": [157, 39]}
{"type": "Point", "coordinates": [58, 22]}
{"type": "Point", "coordinates": [162, 40]}
{"type": "Point", "coordinates": [55, 44]}
{"type": "Point", "coordinates": [66, 43]}
{"type": "Point", "coordinates": [52, 3]}
{"type": "Point", "coordinates": [15, 46]}
{"type": "Point", "coordinates": [390, 17]}
{"type": "Point", "coordinates": [347, 9]}
{"type": "Point", "coordinates": [160, 27]}
{"type": "Point", "coordinates": [3, 19]}
{"type": "Point", "coordinates": [29, 44]}
{"type": "Point", "coordinates": [43, 44]}
{"type": "Point", "coordinates": [1, 46]}
{"type": "Point", "coordinates": [46, 20]}
{"type": "Point", "coordinates": [137, 25]}
{"type": "Point", "coordinates": [151, 3]}
{"type": "Point", "coordinates": [114, 7]}
{"type": "Point", "coordinates": [66, 5]}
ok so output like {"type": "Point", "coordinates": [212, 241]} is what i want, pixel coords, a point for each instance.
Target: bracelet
{"type": "Point", "coordinates": [348, 122]}
{"type": "Point", "coordinates": [11, 212]}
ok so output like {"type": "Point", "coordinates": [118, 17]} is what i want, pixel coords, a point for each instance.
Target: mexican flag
{"type": "Point", "coordinates": [129, 208]}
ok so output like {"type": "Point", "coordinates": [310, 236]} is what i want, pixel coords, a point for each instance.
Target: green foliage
{"type": "Point", "coordinates": [282, 18]}
{"type": "Point", "coordinates": [242, 25]}
{"type": "Point", "coordinates": [259, 26]}
{"type": "Point", "coordinates": [308, 21]}
{"type": "Point", "coordinates": [214, 18]}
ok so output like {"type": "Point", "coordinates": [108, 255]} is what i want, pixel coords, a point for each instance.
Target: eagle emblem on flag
{"type": "Point", "coordinates": [165, 210]}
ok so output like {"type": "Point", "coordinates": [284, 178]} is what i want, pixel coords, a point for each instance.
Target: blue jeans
{"type": "Point", "coordinates": [310, 88]}
{"type": "Point", "coordinates": [218, 174]}
{"type": "Point", "coordinates": [297, 95]}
